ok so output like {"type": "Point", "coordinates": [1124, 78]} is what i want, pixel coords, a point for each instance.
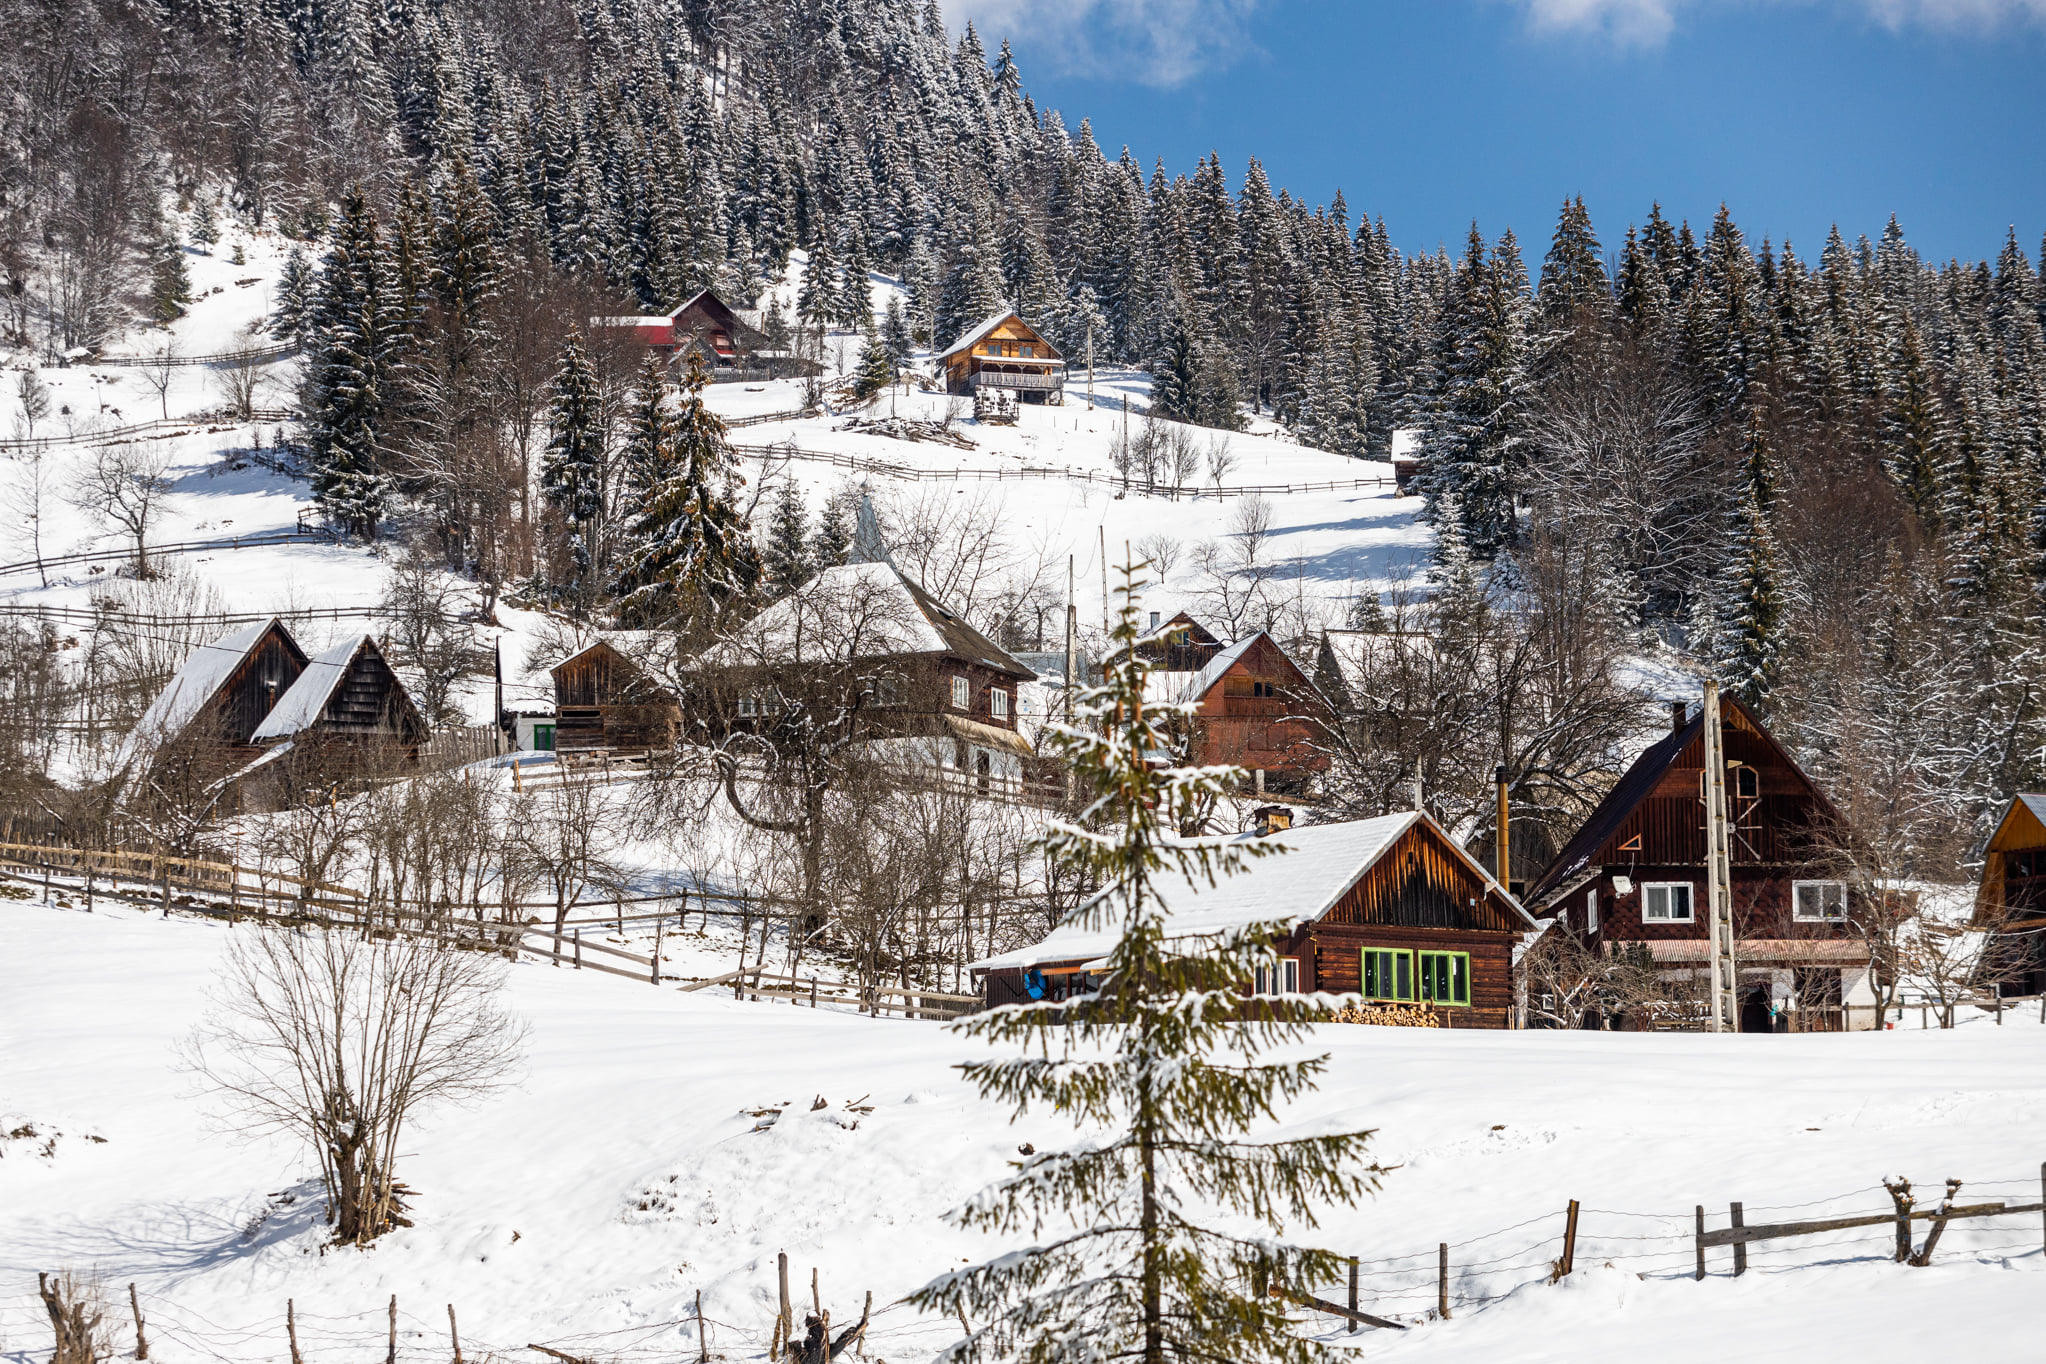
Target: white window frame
{"type": "Point", "coordinates": [749, 705]}
{"type": "Point", "coordinates": [1281, 978]}
{"type": "Point", "coordinates": [998, 703]}
{"type": "Point", "coordinates": [962, 692]}
{"type": "Point", "coordinates": [1690, 902]}
{"type": "Point", "coordinates": [1591, 910]}
{"type": "Point", "coordinates": [1797, 913]}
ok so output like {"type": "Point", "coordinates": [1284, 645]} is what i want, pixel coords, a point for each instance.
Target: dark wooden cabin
{"type": "Point", "coordinates": [1005, 352]}
{"type": "Point", "coordinates": [1180, 645]}
{"type": "Point", "coordinates": [1391, 909]}
{"type": "Point", "coordinates": [603, 700]}
{"type": "Point", "coordinates": [2011, 901]}
{"type": "Point", "coordinates": [349, 699]}
{"type": "Point", "coordinates": [705, 326]}
{"type": "Point", "coordinates": [1255, 709]}
{"type": "Point", "coordinates": [864, 640]}
{"type": "Point", "coordinates": [1635, 873]}
{"type": "Point", "coordinates": [219, 696]}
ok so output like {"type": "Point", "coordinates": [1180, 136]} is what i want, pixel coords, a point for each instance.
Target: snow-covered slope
{"type": "Point", "coordinates": [585, 1208]}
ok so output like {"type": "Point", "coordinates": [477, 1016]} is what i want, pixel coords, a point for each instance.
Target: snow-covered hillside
{"type": "Point", "coordinates": [585, 1208]}
{"type": "Point", "coordinates": [1045, 482]}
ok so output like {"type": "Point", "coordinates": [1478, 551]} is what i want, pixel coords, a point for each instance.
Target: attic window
{"type": "Point", "coordinates": [1746, 783]}
{"type": "Point", "coordinates": [998, 703]}
{"type": "Point", "coordinates": [962, 694]}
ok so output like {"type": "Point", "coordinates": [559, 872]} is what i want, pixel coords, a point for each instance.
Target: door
{"type": "Point", "coordinates": [543, 738]}
{"type": "Point", "coordinates": [1756, 1015]}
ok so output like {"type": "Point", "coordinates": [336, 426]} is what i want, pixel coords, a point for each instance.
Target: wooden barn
{"type": "Point", "coordinates": [348, 700]}
{"type": "Point", "coordinates": [1255, 708]}
{"type": "Point", "coordinates": [1635, 872]}
{"type": "Point", "coordinates": [1006, 353]}
{"type": "Point", "coordinates": [1391, 909]}
{"type": "Point", "coordinates": [2011, 901]}
{"type": "Point", "coordinates": [603, 700]}
{"type": "Point", "coordinates": [220, 696]}
{"type": "Point", "coordinates": [1179, 645]}
{"type": "Point", "coordinates": [705, 325]}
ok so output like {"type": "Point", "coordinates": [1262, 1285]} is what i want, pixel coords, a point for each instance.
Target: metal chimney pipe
{"type": "Point", "coordinates": [1505, 836]}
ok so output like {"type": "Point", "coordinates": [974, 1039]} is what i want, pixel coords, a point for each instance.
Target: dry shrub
{"type": "Point", "coordinates": [1388, 1015]}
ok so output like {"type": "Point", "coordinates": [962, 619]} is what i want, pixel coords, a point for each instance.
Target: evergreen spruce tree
{"type": "Point", "coordinates": [1168, 1061]}
{"type": "Point", "coordinates": [360, 340]}
{"type": "Point", "coordinates": [786, 563]}
{"type": "Point", "coordinates": [1748, 639]}
{"type": "Point", "coordinates": [1176, 373]}
{"type": "Point", "coordinates": [831, 546]}
{"type": "Point", "coordinates": [692, 553]}
{"type": "Point", "coordinates": [895, 333]}
{"type": "Point", "coordinates": [877, 368]}
{"type": "Point", "coordinates": [572, 465]}
{"type": "Point", "coordinates": [170, 283]}
{"type": "Point", "coordinates": [205, 224]}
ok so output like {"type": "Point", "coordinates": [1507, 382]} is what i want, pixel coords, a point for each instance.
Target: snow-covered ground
{"type": "Point", "coordinates": [586, 1207]}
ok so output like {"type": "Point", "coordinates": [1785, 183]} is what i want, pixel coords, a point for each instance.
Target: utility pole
{"type": "Point", "coordinates": [1090, 364]}
{"type": "Point", "coordinates": [1505, 836]}
{"type": "Point", "coordinates": [1718, 867]}
{"type": "Point", "coordinates": [1102, 532]}
{"type": "Point", "coordinates": [1072, 650]}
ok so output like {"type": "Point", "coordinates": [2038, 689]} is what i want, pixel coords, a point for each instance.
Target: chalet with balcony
{"type": "Point", "coordinates": [1005, 352]}
{"type": "Point", "coordinates": [1392, 909]}
{"type": "Point", "coordinates": [1634, 873]}
{"type": "Point", "coordinates": [2010, 904]}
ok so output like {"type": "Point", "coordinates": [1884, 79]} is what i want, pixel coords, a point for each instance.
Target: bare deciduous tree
{"type": "Point", "coordinates": [124, 483]}
{"type": "Point", "coordinates": [160, 371]}
{"type": "Point", "coordinates": [340, 1041]}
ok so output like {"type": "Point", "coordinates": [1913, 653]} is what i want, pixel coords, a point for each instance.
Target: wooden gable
{"type": "Point", "coordinates": [2014, 865]}
{"type": "Point", "coordinates": [371, 700]}
{"type": "Point", "coordinates": [1009, 337]}
{"type": "Point", "coordinates": [1425, 881]}
{"type": "Point", "coordinates": [1262, 680]}
{"type": "Point", "coordinates": [265, 673]}
{"type": "Point", "coordinates": [601, 675]}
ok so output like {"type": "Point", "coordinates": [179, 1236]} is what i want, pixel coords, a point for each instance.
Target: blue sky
{"type": "Point", "coordinates": [1798, 113]}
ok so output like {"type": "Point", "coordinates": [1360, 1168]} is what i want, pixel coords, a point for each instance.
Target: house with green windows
{"type": "Point", "coordinates": [1392, 909]}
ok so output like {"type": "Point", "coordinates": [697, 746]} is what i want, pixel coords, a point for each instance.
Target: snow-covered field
{"type": "Point", "coordinates": [586, 1207]}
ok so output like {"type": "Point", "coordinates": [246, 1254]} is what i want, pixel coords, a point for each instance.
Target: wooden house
{"type": "Point", "coordinates": [864, 644]}
{"type": "Point", "coordinates": [1391, 909]}
{"type": "Point", "coordinates": [1179, 645]}
{"type": "Point", "coordinates": [603, 700]}
{"type": "Point", "coordinates": [350, 703]}
{"type": "Point", "coordinates": [219, 697]}
{"type": "Point", "coordinates": [1634, 873]}
{"type": "Point", "coordinates": [1005, 352]}
{"type": "Point", "coordinates": [704, 326]}
{"type": "Point", "coordinates": [1254, 707]}
{"type": "Point", "coordinates": [2011, 901]}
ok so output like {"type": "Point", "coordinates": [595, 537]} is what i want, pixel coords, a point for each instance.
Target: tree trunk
{"type": "Point", "coordinates": [1154, 1249]}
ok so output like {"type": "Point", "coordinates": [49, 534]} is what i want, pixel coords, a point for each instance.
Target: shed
{"type": "Point", "coordinates": [1005, 352]}
{"type": "Point", "coordinates": [605, 700]}
{"type": "Point", "coordinates": [229, 686]}
{"type": "Point", "coordinates": [1388, 908]}
{"type": "Point", "coordinates": [351, 695]}
{"type": "Point", "coordinates": [2011, 900]}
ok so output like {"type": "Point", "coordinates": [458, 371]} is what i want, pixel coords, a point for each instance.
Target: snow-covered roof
{"type": "Point", "coordinates": [1186, 686]}
{"type": "Point", "coordinates": [1320, 863]}
{"type": "Point", "coordinates": [301, 706]}
{"type": "Point", "coordinates": [973, 336]}
{"type": "Point", "coordinates": [198, 680]}
{"type": "Point", "coordinates": [863, 610]}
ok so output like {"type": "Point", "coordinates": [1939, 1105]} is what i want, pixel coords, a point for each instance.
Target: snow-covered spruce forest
{"type": "Point", "coordinates": [1817, 471]}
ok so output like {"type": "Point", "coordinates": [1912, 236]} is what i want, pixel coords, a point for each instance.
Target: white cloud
{"type": "Point", "coordinates": [1156, 42]}
{"type": "Point", "coordinates": [1649, 22]}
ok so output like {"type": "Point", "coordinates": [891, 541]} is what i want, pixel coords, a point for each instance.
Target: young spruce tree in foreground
{"type": "Point", "coordinates": [1147, 1243]}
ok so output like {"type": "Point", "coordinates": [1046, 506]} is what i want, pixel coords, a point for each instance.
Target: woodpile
{"type": "Point", "coordinates": [1388, 1015]}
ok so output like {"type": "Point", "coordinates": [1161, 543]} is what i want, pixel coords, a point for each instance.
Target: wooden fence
{"type": "Point", "coordinates": [1121, 484]}
{"type": "Point", "coordinates": [161, 429]}
{"type": "Point", "coordinates": [104, 556]}
{"type": "Point", "coordinates": [259, 355]}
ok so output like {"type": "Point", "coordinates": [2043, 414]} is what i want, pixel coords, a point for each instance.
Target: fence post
{"type": "Point", "coordinates": [391, 1355]}
{"type": "Point", "coordinates": [1563, 1265]}
{"type": "Point", "coordinates": [578, 949]}
{"type": "Point", "coordinates": [454, 1336]}
{"type": "Point", "coordinates": [2042, 1183]}
{"type": "Point", "coordinates": [657, 952]}
{"type": "Point", "coordinates": [1441, 1281]}
{"type": "Point", "coordinates": [1701, 1243]}
{"type": "Point", "coordinates": [702, 1341]}
{"type": "Point", "coordinates": [1740, 1248]}
{"type": "Point", "coordinates": [141, 1341]}
{"type": "Point", "coordinates": [291, 1329]}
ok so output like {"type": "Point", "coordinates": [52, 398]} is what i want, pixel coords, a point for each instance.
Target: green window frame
{"type": "Point", "coordinates": [1388, 974]}
{"type": "Point", "coordinates": [1446, 978]}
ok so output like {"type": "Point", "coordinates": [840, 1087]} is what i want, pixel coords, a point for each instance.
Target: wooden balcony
{"type": "Point", "coordinates": [1050, 381]}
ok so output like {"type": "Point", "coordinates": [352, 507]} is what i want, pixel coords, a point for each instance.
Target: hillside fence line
{"type": "Point", "coordinates": [158, 429]}
{"type": "Point", "coordinates": [1404, 1291]}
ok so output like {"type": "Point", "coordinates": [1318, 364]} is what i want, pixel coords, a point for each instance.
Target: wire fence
{"type": "Point", "coordinates": [1407, 1290]}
